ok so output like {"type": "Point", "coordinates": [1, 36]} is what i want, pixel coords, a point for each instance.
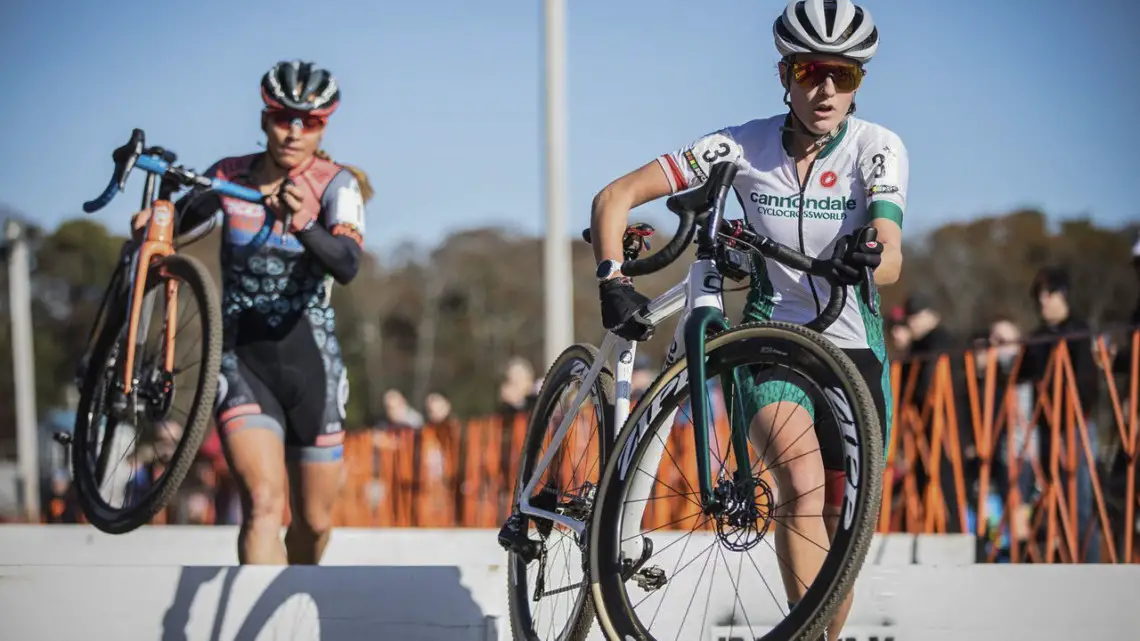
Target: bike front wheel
{"type": "Point", "coordinates": [138, 447]}
{"type": "Point", "coordinates": [645, 589]}
{"type": "Point", "coordinates": [547, 592]}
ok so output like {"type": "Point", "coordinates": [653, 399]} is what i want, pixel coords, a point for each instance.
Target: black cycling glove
{"type": "Point", "coordinates": [620, 301]}
{"type": "Point", "coordinates": [852, 258]}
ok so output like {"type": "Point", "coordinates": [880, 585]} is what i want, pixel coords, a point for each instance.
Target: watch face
{"type": "Point", "coordinates": [605, 268]}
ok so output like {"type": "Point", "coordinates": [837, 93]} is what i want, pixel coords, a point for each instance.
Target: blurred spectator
{"type": "Point", "coordinates": [517, 399]}
{"type": "Point", "coordinates": [62, 504]}
{"type": "Point", "coordinates": [898, 353]}
{"type": "Point", "coordinates": [398, 413]}
{"type": "Point", "coordinates": [1116, 486]}
{"type": "Point", "coordinates": [192, 504]}
{"type": "Point", "coordinates": [146, 469]}
{"type": "Point", "coordinates": [437, 409]}
{"type": "Point", "coordinates": [929, 341]}
{"type": "Point", "coordinates": [1136, 268]}
{"type": "Point", "coordinates": [517, 390]}
{"type": "Point", "coordinates": [898, 349]}
{"type": "Point", "coordinates": [1050, 290]}
{"type": "Point", "coordinates": [1122, 361]}
{"type": "Point", "coordinates": [641, 378]}
{"type": "Point", "coordinates": [899, 331]}
{"type": "Point", "coordinates": [1004, 337]}
{"type": "Point", "coordinates": [197, 509]}
{"type": "Point", "coordinates": [226, 501]}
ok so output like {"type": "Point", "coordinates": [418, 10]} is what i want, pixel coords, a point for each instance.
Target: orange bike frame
{"type": "Point", "coordinates": [158, 244]}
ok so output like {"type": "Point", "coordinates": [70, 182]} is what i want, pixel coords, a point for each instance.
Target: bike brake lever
{"type": "Point", "coordinates": [869, 290]}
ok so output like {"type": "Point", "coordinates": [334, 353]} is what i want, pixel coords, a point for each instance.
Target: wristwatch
{"type": "Point", "coordinates": [607, 269]}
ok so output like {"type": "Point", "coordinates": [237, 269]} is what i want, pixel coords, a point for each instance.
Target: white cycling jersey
{"type": "Point", "coordinates": [859, 176]}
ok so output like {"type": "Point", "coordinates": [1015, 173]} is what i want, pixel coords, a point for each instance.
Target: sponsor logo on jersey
{"type": "Point", "coordinates": [813, 208]}
{"type": "Point", "coordinates": [692, 160]}
{"type": "Point", "coordinates": [882, 189]}
{"type": "Point", "coordinates": [828, 179]}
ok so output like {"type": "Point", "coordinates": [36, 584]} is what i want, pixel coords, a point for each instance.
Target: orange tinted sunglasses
{"type": "Point", "coordinates": [811, 73]}
{"type": "Point", "coordinates": [284, 119]}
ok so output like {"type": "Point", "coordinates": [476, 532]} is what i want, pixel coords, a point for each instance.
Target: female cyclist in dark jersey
{"type": "Point", "coordinates": [283, 387]}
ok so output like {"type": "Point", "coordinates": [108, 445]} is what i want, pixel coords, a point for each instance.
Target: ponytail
{"type": "Point", "coordinates": [366, 190]}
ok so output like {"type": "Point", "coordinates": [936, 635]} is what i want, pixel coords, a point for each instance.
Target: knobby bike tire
{"type": "Point", "coordinates": [814, 612]}
{"type": "Point", "coordinates": [122, 520]}
{"type": "Point", "coordinates": [573, 364]}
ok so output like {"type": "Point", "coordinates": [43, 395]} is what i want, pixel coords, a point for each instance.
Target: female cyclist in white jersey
{"type": "Point", "coordinates": [811, 178]}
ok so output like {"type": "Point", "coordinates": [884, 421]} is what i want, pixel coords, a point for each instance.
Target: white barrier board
{"type": "Point", "coordinates": [916, 603]}
{"type": "Point", "coordinates": [170, 584]}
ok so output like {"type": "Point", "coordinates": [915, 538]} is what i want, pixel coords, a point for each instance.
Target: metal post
{"type": "Point", "coordinates": [23, 367]}
{"type": "Point", "coordinates": [558, 284]}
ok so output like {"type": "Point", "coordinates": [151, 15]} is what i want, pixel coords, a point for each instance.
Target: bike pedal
{"type": "Point", "coordinates": [651, 578]}
{"type": "Point", "coordinates": [513, 538]}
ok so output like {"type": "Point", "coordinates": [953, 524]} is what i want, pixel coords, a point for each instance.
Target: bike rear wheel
{"type": "Point", "coordinates": [106, 418]}
{"type": "Point", "coordinates": [616, 576]}
{"type": "Point", "coordinates": [568, 489]}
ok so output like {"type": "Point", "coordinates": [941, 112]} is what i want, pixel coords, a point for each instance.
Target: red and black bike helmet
{"type": "Point", "coordinates": [300, 86]}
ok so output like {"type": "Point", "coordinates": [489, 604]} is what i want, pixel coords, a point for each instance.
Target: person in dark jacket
{"type": "Point", "coordinates": [930, 340]}
{"type": "Point", "coordinates": [1050, 290]}
{"type": "Point", "coordinates": [1136, 268]}
{"type": "Point", "coordinates": [1116, 488]}
{"type": "Point", "coordinates": [1122, 362]}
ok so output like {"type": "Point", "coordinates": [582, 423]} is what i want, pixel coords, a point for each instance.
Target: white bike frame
{"type": "Point", "coordinates": [700, 288]}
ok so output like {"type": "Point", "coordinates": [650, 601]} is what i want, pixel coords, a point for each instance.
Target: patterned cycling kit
{"type": "Point", "coordinates": [281, 361]}
{"type": "Point", "coordinates": [859, 176]}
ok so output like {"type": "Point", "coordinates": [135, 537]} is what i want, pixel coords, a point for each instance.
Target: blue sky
{"type": "Point", "coordinates": [1001, 104]}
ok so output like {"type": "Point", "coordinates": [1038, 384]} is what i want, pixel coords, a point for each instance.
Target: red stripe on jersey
{"type": "Point", "coordinates": [678, 175]}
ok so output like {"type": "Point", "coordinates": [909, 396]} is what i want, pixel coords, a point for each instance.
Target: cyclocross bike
{"type": "Point", "coordinates": [604, 515]}
{"type": "Point", "coordinates": [123, 389]}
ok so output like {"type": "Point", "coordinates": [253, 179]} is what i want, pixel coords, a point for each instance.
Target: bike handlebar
{"type": "Point", "coordinates": [686, 229]}
{"type": "Point", "coordinates": [132, 155]}
{"type": "Point", "coordinates": [697, 206]}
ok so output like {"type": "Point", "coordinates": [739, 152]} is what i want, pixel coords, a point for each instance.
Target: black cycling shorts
{"type": "Point", "coordinates": [289, 379]}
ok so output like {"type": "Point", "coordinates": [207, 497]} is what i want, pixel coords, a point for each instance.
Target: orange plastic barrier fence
{"type": "Point", "coordinates": [1047, 527]}
{"type": "Point", "coordinates": [461, 476]}
{"type": "Point", "coordinates": [1022, 508]}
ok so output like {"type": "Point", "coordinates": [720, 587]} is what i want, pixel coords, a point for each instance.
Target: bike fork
{"type": "Point", "coordinates": [705, 314]}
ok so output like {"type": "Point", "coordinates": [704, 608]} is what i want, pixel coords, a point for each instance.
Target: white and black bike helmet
{"type": "Point", "coordinates": [838, 27]}
{"type": "Point", "coordinates": [301, 86]}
